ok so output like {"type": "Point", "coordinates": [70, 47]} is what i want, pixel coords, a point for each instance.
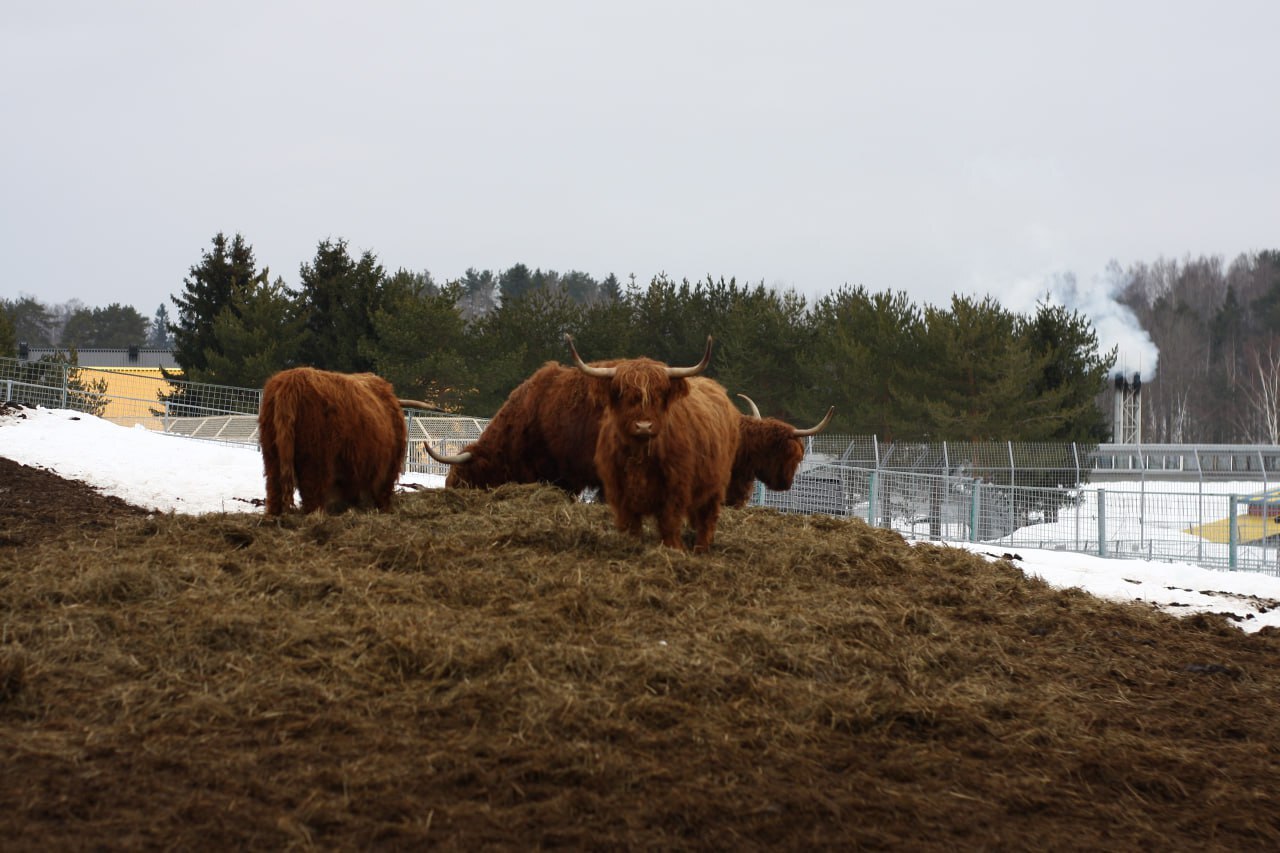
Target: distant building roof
{"type": "Point", "coordinates": [107, 357]}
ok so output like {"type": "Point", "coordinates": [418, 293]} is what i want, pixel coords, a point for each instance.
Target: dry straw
{"type": "Point", "coordinates": [481, 669]}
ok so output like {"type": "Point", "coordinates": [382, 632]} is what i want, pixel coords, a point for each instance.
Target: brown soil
{"type": "Point", "coordinates": [483, 670]}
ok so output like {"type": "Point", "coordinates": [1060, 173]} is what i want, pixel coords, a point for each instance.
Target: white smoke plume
{"type": "Point", "coordinates": [1114, 323]}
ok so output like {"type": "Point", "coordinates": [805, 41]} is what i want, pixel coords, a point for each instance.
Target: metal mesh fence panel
{"type": "Point", "coordinates": [447, 434]}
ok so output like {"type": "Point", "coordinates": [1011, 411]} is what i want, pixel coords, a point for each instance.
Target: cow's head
{"type": "Point", "coordinates": [773, 448]}
{"type": "Point", "coordinates": [636, 393]}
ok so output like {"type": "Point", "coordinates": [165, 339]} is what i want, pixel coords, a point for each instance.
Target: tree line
{"type": "Point", "coordinates": [1217, 326]}
{"type": "Point", "coordinates": [968, 371]}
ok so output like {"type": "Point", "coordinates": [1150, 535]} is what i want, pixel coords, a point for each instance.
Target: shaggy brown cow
{"type": "Point", "coordinates": [666, 446]}
{"type": "Point", "coordinates": [769, 450]}
{"type": "Point", "coordinates": [544, 432]}
{"type": "Point", "coordinates": [338, 438]}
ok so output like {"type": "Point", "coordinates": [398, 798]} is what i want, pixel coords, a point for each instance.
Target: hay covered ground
{"type": "Point", "coordinates": [504, 670]}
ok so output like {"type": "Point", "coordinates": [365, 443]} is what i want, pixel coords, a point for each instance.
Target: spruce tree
{"type": "Point", "coordinates": [339, 298]}
{"type": "Point", "coordinates": [8, 337]}
{"type": "Point", "coordinates": [158, 334]}
{"type": "Point", "coordinates": [421, 346]}
{"type": "Point", "coordinates": [257, 334]}
{"type": "Point", "coordinates": [207, 290]}
{"type": "Point", "coordinates": [860, 357]}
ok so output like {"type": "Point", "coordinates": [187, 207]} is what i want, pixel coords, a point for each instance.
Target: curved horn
{"type": "Point", "coordinates": [755, 410]}
{"type": "Point", "coordinates": [418, 404]}
{"type": "Point", "coordinates": [681, 372]}
{"type": "Point", "coordinates": [822, 424]}
{"type": "Point", "coordinates": [464, 456]}
{"type": "Point", "coordinates": [598, 372]}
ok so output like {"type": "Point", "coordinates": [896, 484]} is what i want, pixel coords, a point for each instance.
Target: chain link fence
{"type": "Point", "coordinates": [1007, 494]}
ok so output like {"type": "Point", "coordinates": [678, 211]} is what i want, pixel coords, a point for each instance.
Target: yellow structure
{"type": "Point", "coordinates": [130, 391]}
{"type": "Point", "coordinates": [1249, 528]}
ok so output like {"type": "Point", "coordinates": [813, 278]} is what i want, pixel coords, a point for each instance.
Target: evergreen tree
{"type": "Point", "coordinates": [1072, 375]}
{"type": "Point", "coordinates": [980, 374]}
{"type": "Point", "coordinates": [32, 320]}
{"type": "Point", "coordinates": [421, 346]}
{"type": "Point", "coordinates": [515, 282]}
{"type": "Point", "coordinates": [610, 289]}
{"type": "Point", "coordinates": [339, 297]}
{"type": "Point", "coordinates": [517, 338]}
{"type": "Point", "coordinates": [861, 357]}
{"type": "Point", "coordinates": [207, 291]}
{"type": "Point", "coordinates": [8, 337]}
{"type": "Point", "coordinates": [479, 293]}
{"type": "Point", "coordinates": [580, 287]}
{"type": "Point", "coordinates": [113, 326]}
{"type": "Point", "coordinates": [158, 335]}
{"type": "Point", "coordinates": [257, 334]}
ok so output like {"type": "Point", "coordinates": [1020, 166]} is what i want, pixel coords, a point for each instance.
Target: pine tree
{"type": "Point", "coordinates": [980, 374]}
{"type": "Point", "coordinates": [158, 334]}
{"type": "Point", "coordinates": [1073, 374]}
{"type": "Point", "coordinates": [113, 326]}
{"type": "Point", "coordinates": [515, 282]}
{"type": "Point", "coordinates": [257, 334]}
{"type": "Point", "coordinates": [480, 293]}
{"type": "Point", "coordinates": [421, 346]}
{"type": "Point", "coordinates": [339, 298]}
{"type": "Point", "coordinates": [517, 338]}
{"type": "Point", "coordinates": [8, 337]}
{"type": "Point", "coordinates": [207, 290]}
{"type": "Point", "coordinates": [860, 358]}
{"type": "Point", "coordinates": [32, 320]}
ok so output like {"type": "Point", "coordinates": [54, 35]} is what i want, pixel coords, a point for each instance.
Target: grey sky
{"type": "Point", "coordinates": [927, 147]}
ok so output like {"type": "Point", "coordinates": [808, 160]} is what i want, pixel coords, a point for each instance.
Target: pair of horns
{"type": "Point", "coordinates": [609, 372]}
{"type": "Point", "coordinates": [798, 433]}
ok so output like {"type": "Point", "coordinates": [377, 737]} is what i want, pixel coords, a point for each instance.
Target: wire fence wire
{"type": "Point", "coordinates": [1006, 494]}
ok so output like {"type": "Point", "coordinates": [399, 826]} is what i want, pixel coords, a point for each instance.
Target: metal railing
{"type": "Point", "coordinates": [1187, 521]}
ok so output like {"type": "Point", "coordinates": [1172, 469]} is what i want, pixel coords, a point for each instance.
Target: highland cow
{"type": "Point", "coordinates": [545, 432]}
{"type": "Point", "coordinates": [769, 450]}
{"type": "Point", "coordinates": [666, 446]}
{"type": "Point", "coordinates": [338, 438]}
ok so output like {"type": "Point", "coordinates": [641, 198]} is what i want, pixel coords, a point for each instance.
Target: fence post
{"type": "Point", "coordinates": [8, 389]}
{"type": "Point", "coordinates": [872, 497]}
{"type": "Point", "coordinates": [1233, 525]}
{"type": "Point", "coordinates": [1102, 522]}
{"type": "Point", "coordinates": [975, 510]}
{"type": "Point", "coordinates": [66, 378]}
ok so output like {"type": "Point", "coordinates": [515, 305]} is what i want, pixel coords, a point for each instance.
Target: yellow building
{"type": "Point", "coordinates": [132, 376]}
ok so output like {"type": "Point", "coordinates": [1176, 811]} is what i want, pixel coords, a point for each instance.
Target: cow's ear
{"type": "Point", "coordinates": [679, 388]}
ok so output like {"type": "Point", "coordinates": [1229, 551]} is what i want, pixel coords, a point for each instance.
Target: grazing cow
{"type": "Point", "coordinates": [769, 450]}
{"type": "Point", "coordinates": [544, 432]}
{"type": "Point", "coordinates": [338, 438]}
{"type": "Point", "coordinates": [666, 445]}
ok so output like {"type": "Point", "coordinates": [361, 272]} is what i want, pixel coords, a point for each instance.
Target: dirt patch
{"type": "Point", "coordinates": [502, 669]}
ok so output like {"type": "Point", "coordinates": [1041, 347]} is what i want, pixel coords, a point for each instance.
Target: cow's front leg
{"type": "Point", "coordinates": [669, 524]}
{"type": "Point", "coordinates": [704, 520]}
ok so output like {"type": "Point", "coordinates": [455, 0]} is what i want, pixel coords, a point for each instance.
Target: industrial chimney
{"type": "Point", "coordinates": [1126, 428]}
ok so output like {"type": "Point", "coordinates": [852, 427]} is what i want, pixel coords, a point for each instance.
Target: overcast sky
{"type": "Point", "coordinates": [933, 148]}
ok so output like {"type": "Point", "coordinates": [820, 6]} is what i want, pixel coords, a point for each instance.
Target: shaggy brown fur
{"type": "Point", "coordinates": [338, 438]}
{"type": "Point", "coordinates": [768, 451]}
{"type": "Point", "coordinates": [665, 449]}
{"type": "Point", "coordinates": [545, 432]}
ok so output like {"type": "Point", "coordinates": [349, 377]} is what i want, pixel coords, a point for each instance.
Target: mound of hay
{"type": "Point", "coordinates": [504, 669]}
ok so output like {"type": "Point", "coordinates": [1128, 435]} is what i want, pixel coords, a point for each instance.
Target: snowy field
{"type": "Point", "coordinates": [182, 475]}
